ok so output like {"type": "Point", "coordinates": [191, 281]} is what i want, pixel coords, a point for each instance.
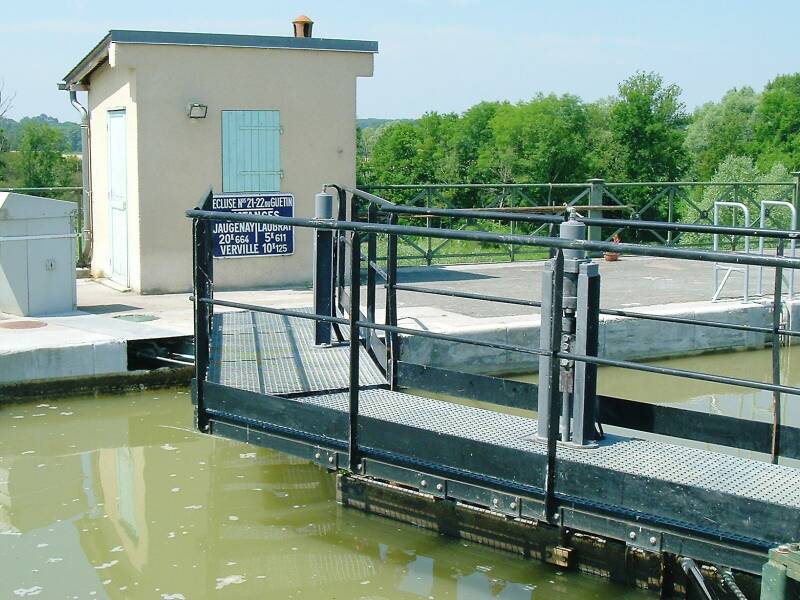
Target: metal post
{"type": "Point", "coordinates": [550, 408]}
{"type": "Point", "coordinates": [579, 305]}
{"type": "Point", "coordinates": [392, 341]}
{"type": "Point", "coordinates": [573, 260]}
{"type": "Point", "coordinates": [355, 310]}
{"type": "Point", "coordinates": [596, 193]}
{"type": "Point", "coordinates": [203, 288]}
{"type": "Point", "coordinates": [796, 195]}
{"type": "Point", "coordinates": [671, 213]}
{"type": "Point", "coordinates": [429, 251]}
{"type": "Point", "coordinates": [735, 239]}
{"type": "Point", "coordinates": [587, 331]}
{"type": "Point", "coordinates": [372, 258]}
{"type": "Point", "coordinates": [323, 269]}
{"type": "Point", "coordinates": [546, 315]}
{"type": "Point", "coordinates": [341, 255]}
{"type": "Point", "coordinates": [776, 358]}
{"type": "Point", "coordinates": [512, 227]}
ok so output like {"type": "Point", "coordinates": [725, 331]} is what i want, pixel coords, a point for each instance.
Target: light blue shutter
{"type": "Point", "coordinates": [251, 151]}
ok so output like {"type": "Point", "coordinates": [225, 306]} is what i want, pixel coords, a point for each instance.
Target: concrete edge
{"type": "Point", "coordinates": [98, 384]}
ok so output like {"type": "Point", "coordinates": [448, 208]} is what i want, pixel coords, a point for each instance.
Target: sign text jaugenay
{"type": "Point", "coordinates": [233, 240]}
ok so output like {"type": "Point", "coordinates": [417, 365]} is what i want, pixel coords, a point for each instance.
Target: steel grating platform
{"type": "Point", "coordinates": [268, 384]}
{"type": "Point", "coordinates": [719, 494]}
{"type": "Point", "coordinates": [274, 354]}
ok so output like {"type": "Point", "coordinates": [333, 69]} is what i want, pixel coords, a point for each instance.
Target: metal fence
{"type": "Point", "coordinates": [339, 290]}
{"type": "Point", "coordinates": [343, 297]}
{"type": "Point", "coordinates": [675, 202]}
{"type": "Point", "coordinates": [71, 194]}
{"type": "Point", "coordinates": [379, 211]}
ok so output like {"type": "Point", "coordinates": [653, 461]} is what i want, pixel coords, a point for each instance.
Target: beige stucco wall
{"type": "Point", "coordinates": [178, 158]}
{"type": "Point", "coordinates": [113, 88]}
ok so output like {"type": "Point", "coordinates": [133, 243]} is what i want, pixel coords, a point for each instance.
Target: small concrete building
{"type": "Point", "coordinates": [170, 114]}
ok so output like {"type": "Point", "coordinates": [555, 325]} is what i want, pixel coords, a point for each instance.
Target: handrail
{"type": "Point", "coordinates": [41, 189]}
{"type": "Point", "coordinates": [357, 322]}
{"type": "Point", "coordinates": [603, 311]}
{"type": "Point", "coordinates": [436, 186]}
{"type": "Point", "coordinates": [624, 364]}
{"type": "Point", "coordinates": [391, 207]}
{"type": "Point", "coordinates": [518, 240]}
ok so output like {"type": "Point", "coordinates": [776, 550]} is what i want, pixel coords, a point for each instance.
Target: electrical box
{"type": "Point", "coordinates": [37, 255]}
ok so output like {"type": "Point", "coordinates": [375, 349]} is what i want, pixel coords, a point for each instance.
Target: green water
{"type": "Point", "coordinates": [117, 497]}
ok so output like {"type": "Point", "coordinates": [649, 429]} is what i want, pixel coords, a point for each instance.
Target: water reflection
{"type": "Point", "coordinates": [116, 497]}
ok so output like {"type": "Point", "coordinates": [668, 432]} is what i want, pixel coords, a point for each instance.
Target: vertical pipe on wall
{"type": "Point", "coordinates": [85, 258]}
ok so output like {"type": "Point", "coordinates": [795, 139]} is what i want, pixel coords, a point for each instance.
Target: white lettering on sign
{"type": "Point", "coordinates": [235, 239]}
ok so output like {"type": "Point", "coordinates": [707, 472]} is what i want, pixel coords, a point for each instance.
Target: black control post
{"type": "Point", "coordinates": [203, 288]}
{"type": "Point", "coordinates": [355, 344]}
{"type": "Point", "coordinates": [579, 314]}
{"type": "Point", "coordinates": [323, 269]}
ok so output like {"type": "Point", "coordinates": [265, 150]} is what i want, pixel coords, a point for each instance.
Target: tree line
{"type": "Point", "coordinates": [643, 133]}
{"type": "Point", "coordinates": [38, 152]}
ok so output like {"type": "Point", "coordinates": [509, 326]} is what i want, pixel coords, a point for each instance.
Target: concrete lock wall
{"type": "Point", "coordinates": [173, 159]}
{"type": "Point", "coordinates": [619, 338]}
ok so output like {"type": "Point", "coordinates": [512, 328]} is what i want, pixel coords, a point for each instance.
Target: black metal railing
{"type": "Point", "coordinates": [350, 230]}
{"type": "Point", "coordinates": [670, 202]}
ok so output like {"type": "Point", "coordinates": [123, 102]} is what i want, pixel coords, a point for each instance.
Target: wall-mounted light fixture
{"type": "Point", "coordinates": [197, 111]}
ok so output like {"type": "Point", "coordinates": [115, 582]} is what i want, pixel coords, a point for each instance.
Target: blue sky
{"type": "Point", "coordinates": [442, 55]}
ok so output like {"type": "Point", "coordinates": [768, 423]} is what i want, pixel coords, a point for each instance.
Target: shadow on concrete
{"type": "Point", "coordinates": [101, 309]}
{"type": "Point", "coordinates": [427, 274]}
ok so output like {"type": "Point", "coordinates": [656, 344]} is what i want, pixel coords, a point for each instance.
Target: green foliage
{"type": "Point", "coordinates": [540, 140]}
{"type": "Point", "coordinates": [777, 126]}
{"type": "Point", "coordinates": [13, 131]}
{"type": "Point", "coordinates": [378, 123]}
{"type": "Point", "coordinates": [599, 136]}
{"type": "Point", "coordinates": [720, 129]}
{"type": "Point", "coordinates": [647, 126]}
{"type": "Point", "coordinates": [436, 148]}
{"type": "Point", "coordinates": [472, 137]}
{"type": "Point", "coordinates": [635, 136]}
{"type": "Point", "coordinates": [41, 151]}
{"type": "Point", "coordinates": [396, 156]}
{"type": "Point", "coordinates": [734, 169]}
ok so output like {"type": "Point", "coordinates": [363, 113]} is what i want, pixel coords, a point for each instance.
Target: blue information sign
{"type": "Point", "coordinates": [233, 240]}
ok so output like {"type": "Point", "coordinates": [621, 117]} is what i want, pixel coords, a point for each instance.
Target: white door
{"type": "Point", "coordinates": [118, 196]}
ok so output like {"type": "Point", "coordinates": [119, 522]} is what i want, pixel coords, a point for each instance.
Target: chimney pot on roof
{"type": "Point", "coordinates": [302, 26]}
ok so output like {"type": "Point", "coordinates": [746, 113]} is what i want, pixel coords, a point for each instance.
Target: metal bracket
{"type": "Point", "coordinates": [425, 483]}
{"type": "Point", "coordinates": [644, 539]}
{"type": "Point", "coordinates": [329, 459]}
{"type": "Point", "coordinates": [505, 504]}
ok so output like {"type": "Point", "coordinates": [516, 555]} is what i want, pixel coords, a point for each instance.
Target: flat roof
{"type": "Point", "coordinates": [99, 53]}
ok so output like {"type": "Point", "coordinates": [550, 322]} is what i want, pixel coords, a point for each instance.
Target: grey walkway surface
{"type": "Point", "coordinates": [272, 354]}
{"type": "Point", "coordinates": [627, 283]}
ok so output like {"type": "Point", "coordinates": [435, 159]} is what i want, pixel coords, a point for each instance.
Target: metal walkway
{"type": "Point", "coordinates": [278, 378]}
{"type": "Point", "coordinates": [266, 377]}
{"type": "Point", "coordinates": [273, 354]}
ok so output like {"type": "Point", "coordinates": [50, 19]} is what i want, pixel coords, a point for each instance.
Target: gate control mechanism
{"type": "Point", "coordinates": [578, 424]}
